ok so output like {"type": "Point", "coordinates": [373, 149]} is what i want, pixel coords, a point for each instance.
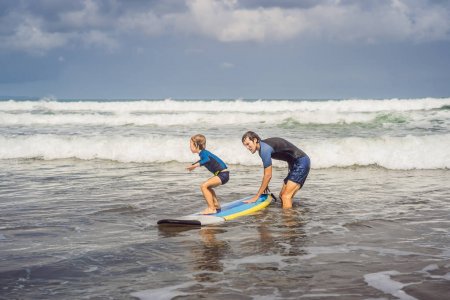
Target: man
{"type": "Point", "coordinates": [279, 149]}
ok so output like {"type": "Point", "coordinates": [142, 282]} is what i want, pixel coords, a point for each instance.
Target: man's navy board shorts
{"type": "Point", "coordinates": [299, 171]}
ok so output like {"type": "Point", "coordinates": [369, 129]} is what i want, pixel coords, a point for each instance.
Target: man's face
{"type": "Point", "coordinates": [251, 145]}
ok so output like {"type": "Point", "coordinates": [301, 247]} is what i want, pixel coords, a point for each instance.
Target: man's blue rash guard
{"type": "Point", "coordinates": [280, 149]}
{"type": "Point", "coordinates": [211, 162]}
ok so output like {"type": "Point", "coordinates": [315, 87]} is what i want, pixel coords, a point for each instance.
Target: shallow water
{"type": "Point", "coordinates": [76, 229]}
{"type": "Point", "coordinates": [83, 183]}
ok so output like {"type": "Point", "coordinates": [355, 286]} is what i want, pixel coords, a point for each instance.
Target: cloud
{"type": "Point", "coordinates": [98, 38]}
{"type": "Point", "coordinates": [226, 21]}
{"type": "Point", "coordinates": [29, 36]}
{"type": "Point", "coordinates": [147, 23]}
{"type": "Point", "coordinates": [35, 30]}
{"type": "Point", "coordinates": [88, 15]}
{"type": "Point", "coordinates": [42, 25]}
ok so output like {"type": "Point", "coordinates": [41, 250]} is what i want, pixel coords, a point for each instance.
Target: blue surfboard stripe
{"type": "Point", "coordinates": [238, 206]}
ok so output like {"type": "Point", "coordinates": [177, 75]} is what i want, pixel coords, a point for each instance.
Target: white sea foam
{"type": "Point", "coordinates": [169, 105]}
{"type": "Point", "coordinates": [186, 118]}
{"type": "Point", "coordinates": [410, 152]}
{"type": "Point", "coordinates": [420, 112]}
{"type": "Point", "coordinates": [383, 282]}
{"type": "Point", "coordinates": [276, 259]}
{"type": "Point", "coordinates": [22, 138]}
{"type": "Point", "coordinates": [164, 293]}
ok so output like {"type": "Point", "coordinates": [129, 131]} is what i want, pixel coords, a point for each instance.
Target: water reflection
{"type": "Point", "coordinates": [167, 231]}
{"type": "Point", "coordinates": [283, 232]}
{"type": "Point", "coordinates": [208, 254]}
{"type": "Point", "coordinates": [265, 243]}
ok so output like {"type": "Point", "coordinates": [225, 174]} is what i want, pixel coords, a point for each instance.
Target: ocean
{"type": "Point", "coordinates": [83, 183]}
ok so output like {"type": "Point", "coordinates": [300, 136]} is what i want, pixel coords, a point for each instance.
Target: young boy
{"type": "Point", "coordinates": [215, 165]}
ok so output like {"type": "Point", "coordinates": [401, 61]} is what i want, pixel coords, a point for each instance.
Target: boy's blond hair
{"type": "Point", "coordinates": [199, 141]}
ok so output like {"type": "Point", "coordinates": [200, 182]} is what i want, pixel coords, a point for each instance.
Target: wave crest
{"type": "Point", "coordinates": [410, 152]}
{"type": "Point", "coordinates": [169, 105]}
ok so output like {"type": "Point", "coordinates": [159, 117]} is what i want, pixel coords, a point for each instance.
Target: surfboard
{"type": "Point", "coordinates": [229, 211]}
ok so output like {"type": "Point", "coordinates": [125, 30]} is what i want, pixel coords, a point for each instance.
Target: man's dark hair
{"type": "Point", "coordinates": [252, 136]}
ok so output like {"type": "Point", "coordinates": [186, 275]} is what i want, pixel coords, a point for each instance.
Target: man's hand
{"type": "Point", "coordinates": [253, 199]}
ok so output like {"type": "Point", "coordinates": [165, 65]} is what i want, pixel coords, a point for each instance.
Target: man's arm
{"type": "Point", "coordinates": [264, 184]}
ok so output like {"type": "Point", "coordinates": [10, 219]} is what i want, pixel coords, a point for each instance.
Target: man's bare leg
{"type": "Point", "coordinates": [287, 193]}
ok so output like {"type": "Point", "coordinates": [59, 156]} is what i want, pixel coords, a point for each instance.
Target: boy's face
{"type": "Point", "coordinates": [194, 149]}
{"type": "Point", "coordinates": [251, 145]}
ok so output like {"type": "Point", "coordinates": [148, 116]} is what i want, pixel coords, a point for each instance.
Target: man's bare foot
{"type": "Point", "coordinates": [208, 211]}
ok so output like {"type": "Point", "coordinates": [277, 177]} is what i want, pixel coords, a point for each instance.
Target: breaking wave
{"type": "Point", "coordinates": [409, 152]}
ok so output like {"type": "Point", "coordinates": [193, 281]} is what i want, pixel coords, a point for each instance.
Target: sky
{"type": "Point", "coordinates": [224, 49]}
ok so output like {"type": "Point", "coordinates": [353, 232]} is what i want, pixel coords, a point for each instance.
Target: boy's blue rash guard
{"type": "Point", "coordinates": [211, 162]}
{"type": "Point", "coordinates": [280, 149]}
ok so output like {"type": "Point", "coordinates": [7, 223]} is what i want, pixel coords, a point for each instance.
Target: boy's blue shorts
{"type": "Point", "coordinates": [299, 171]}
{"type": "Point", "coordinates": [224, 176]}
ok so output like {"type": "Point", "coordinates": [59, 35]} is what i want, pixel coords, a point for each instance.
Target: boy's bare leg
{"type": "Point", "coordinates": [216, 201]}
{"type": "Point", "coordinates": [206, 190]}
